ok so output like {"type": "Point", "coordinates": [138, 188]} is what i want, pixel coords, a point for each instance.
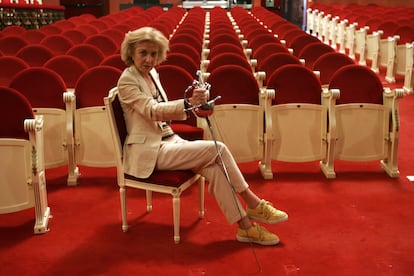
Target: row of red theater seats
{"type": "Point", "coordinates": [106, 32]}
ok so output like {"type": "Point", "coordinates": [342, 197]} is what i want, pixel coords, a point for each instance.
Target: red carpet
{"type": "Point", "coordinates": [360, 223]}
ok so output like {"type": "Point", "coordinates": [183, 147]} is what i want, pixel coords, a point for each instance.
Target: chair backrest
{"type": "Point", "coordinates": [35, 54]}
{"type": "Point", "coordinates": [225, 48]}
{"type": "Point", "coordinates": [357, 84]}
{"type": "Point", "coordinates": [9, 67]}
{"type": "Point", "coordinates": [313, 51]}
{"type": "Point", "coordinates": [224, 38]}
{"type": "Point", "coordinates": [182, 61]}
{"type": "Point", "coordinates": [175, 81]}
{"type": "Point", "coordinates": [57, 43]}
{"type": "Point", "coordinates": [186, 49]}
{"type": "Point", "coordinates": [228, 58]}
{"type": "Point", "coordinates": [259, 40]}
{"type": "Point", "coordinates": [88, 53]}
{"type": "Point", "coordinates": [267, 49]}
{"type": "Point", "coordinates": [33, 36]}
{"type": "Point", "coordinates": [299, 42]}
{"type": "Point", "coordinates": [119, 124]}
{"type": "Point", "coordinates": [187, 39]}
{"type": "Point", "coordinates": [70, 68]}
{"type": "Point", "coordinates": [103, 42]}
{"type": "Point", "coordinates": [327, 64]}
{"type": "Point", "coordinates": [14, 109]}
{"type": "Point", "coordinates": [235, 84]}
{"type": "Point", "coordinates": [93, 85]}
{"type": "Point", "coordinates": [275, 61]}
{"type": "Point", "coordinates": [114, 61]}
{"type": "Point", "coordinates": [76, 36]}
{"type": "Point", "coordinates": [43, 87]}
{"type": "Point", "coordinates": [295, 83]}
{"type": "Point", "coordinates": [11, 44]}
{"type": "Point", "coordinates": [406, 34]}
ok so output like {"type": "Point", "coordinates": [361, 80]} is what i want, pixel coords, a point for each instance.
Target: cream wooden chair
{"type": "Point", "coordinates": [22, 170]}
{"type": "Point", "coordinates": [366, 119]}
{"type": "Point", "coordinates": [167, 182]}
{"type": "Point", "coordinates": [297, 121]}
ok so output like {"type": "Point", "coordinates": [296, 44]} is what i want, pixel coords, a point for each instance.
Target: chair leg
{"type": "Point", "coordinates": [149, 200]}
{"type": "Point", "coordinates": [176, 217]}
{"type": "Point", "coordinates": [201, 184]}
{"type": "Point", "coordinates": [122, 193]}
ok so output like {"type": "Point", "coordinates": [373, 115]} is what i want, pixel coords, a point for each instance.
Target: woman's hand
{"type": "Point", "coordinates": [199, 97]}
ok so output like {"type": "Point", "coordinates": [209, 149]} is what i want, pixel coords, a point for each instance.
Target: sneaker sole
{"type": "Point", "coordinates": [269, 221]}
{"type": "Point", "coordinates": [249, 240]}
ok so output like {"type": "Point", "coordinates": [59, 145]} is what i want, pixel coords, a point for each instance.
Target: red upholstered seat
{"type": "Point", "coordinates": [327, 64]}
{"type": "Point", "coordinates": [299, 42]}
{"type": "Point", "coordinates": [105, 43]}
{"type": "Point", "coordinates": [275, 61]}
{"type": "Point", "coordinates": [311, 52]}
{"type": "Point", "coordinates": [88, 53]}
{"type": "Point", "coordinates": [57, 43]}
{"type": "Point", "coordinates": [9, 67]}
{"type": "Point", "coordinates": [226, 59]}
{"type": "Point", "coordinates": [35, 54]}
{"type": "Point", "coordinates": [295, 83]}
{"type": "Point", "coordinates": [183, 61]}
{"type": "Point", "coordinates": [43, 87]}
{"type": "Point", "coordinates": [68, 67]}
{"type": "Point", "coordinates": [357, 84]}
{"type": "Point", "coordinates": [114, 61]}
{"type": "Point", "coordinates": [15, 109]}
{"type": "Point", "coordinates": [186, 49]}
{"type": "Point", "coordinates": [93, 85]}
{"type": "Point", "coordinates": [11, 44]}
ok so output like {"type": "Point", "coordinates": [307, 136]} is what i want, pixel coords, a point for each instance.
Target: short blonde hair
{"type": "Point", "coordinates": [145, 34]}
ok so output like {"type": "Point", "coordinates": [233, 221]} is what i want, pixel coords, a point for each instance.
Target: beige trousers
{"type": "Point", "coordinates": [201, 157]}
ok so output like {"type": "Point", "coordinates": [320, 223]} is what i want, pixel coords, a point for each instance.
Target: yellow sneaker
{"type": "Point", "coordinates": [266, 213]}
{"type": "Point", "coordinates": [257, 234]}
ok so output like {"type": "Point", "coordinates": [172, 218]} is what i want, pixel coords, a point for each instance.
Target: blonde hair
{"type": "Point", "coordinates": [145, 34]}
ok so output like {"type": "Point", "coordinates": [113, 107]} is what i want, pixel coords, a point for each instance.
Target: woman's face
{"type": "Point", "coordinates": [145, 56]}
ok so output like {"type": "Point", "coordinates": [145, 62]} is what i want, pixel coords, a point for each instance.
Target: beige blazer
{"type": "Point", "coordinates": [143, 116]}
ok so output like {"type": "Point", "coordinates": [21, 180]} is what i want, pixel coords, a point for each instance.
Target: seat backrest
{"type": "Point", "coordinates": [9, 67]}
{"type": "Point", "coordinates": [187, 39]}
{"type": "Point", "coordinates": [182, 61]}
{"type": "Point", "coordinates": [295, 83]}
{"type": "Point", "coordinates": [88, 53]}
{"type": "Point", "coordinates": [225, 48]}
{"type": "Point", "coordinates": [406, 34]}
{"type": "Point", "coordinates": [235, 84]}
{"type": "Point", "coordinates": [261, 39]}
{"type": "Point", "coordinates": [327, 64]}
{"type": "Point", "coordinates": [70, 68]}
{"type": "Point", "coordinates": [313, 51]}
{"type": "Point", "coordinates": [299, 42]}
{"type": "Point", "coordinates": [357, 84]}
{"type": "Point", "coordinates": [33, 36]}
{"type": "Point", "coordinates": [186, 49]}
{"type": "Point", "coordinates": [14, 109]}
{"type": "Point", "coordinates": [275, 61]}
{"type": "Point", "coordinates": [228, 58]}
{"type": "Point", "coordinates": [43, 87]}
{"type": "Point", "coordinates": [57, 43]}
{"type": "Point", "coordinates": [114, 61]}
{"type": "Point", "coordinates": [93, 85]}
{"type": "Point", "coordinates": [35, 54]}
{"type": "Point", "coordinates": [76, 36]}
{"type": "Point", "coordinates": [103, 42]}
{"type": "Point", "coordinates": [119, 121]}
{"type": "Point", "coordinates": [175, 81]}
{"type": "Point", "coordinates": [267, 49]}
{"type": "Point", "coordinates": [11, 44]}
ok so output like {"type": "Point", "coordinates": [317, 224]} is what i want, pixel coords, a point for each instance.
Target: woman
{"type": "Point", "coordinates": [151, 143]}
